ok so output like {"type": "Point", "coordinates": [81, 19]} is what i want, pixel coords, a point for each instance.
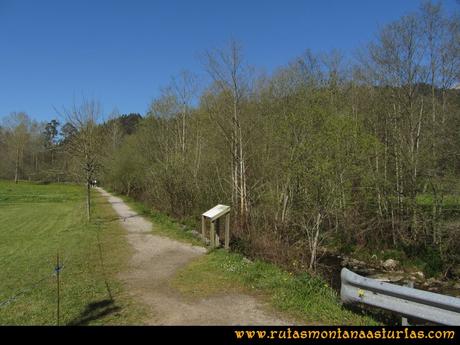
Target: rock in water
{"type": "Point", "coordinates": [419, 275]}
{"type": "Point", "coordinates": [390, 264]}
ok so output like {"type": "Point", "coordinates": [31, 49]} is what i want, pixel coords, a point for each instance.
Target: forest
{"type": "Point", "coordinates": [329, 153]}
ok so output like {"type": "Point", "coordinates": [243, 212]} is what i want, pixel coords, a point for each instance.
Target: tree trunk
{"type": "Point", "coordinates": [16, 169]}
{"type": "Point", "coordinates": [235, 158]}
{"type": "Point", "coordinates": [242, 180]}
{"type": "Point", "coordinates": [184, 114]}
{"type": "Point", "coordinates": [88, 198]}
{"type": "Point", "coordinates": [314, 245]}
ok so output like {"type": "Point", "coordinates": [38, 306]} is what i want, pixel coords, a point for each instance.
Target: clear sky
{"type": "Point", "coordinates": [122, 51]}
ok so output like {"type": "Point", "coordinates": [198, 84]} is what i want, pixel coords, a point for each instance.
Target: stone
{"type": "Point", "coordinates": [364, 271]}
{"type": "Point", "coordinates": [419, 275]}
{"type": "Point", "coordinates": [356, 263]}
{"type": "Point", "coordinates": [390, 264]}
{"type": "Point", "coordinates": [432, 281]}
{"type": "Point", "coordinates": [195, 233]}
{"type": "Point", "coordinates": [388, 278]}
{"type": "Point", "coordinates": [246, 260]}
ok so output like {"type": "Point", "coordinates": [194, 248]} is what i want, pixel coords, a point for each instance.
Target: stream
{"type": "Point", "coordinates": [329, 267]}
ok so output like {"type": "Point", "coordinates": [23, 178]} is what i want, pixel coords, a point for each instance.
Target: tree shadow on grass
{"type": "Point", "coordinates": [109, 219]}
{"type": "Point", "coordinates": [94, 311]}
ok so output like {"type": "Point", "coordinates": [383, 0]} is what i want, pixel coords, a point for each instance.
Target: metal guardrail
{"type": "Point", "coordinates": [408, 302]}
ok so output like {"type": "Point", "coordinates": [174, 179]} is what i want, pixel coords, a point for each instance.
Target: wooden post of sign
{"type": "Point", "coordinates": [212, 235]}
{"type": "Point", "coordinates": [217, 238]}
{"type": "Point", "coordinates": [203, 227]}
{"type": "Point", "coordinates": [227, 231]}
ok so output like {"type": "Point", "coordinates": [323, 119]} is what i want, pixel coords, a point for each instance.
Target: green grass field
{"type": "Point", "coordinates": [36, 222]}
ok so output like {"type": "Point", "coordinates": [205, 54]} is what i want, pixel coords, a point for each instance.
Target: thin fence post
{"type": "Point", "coordinates": [58, 287]}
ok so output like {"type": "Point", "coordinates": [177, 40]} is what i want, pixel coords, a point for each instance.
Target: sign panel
{"type": "Point", "coordinates": [216, 212]}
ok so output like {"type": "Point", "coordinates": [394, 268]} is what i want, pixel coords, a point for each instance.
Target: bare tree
{"type": "Point", "coordinates": [228, 73]}
{"type": "Point", "coordinates": [18, 130]}
{"type": "Point", "coordinates": [184, 87]}
{"type": "Point", "coordinates": [113, 131]}
{"type": "Point", "coordinates": [84, 146]}
{"type": "Point", "coordinates": [398, 57]}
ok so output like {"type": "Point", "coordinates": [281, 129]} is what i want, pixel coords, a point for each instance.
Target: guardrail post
{"type": "Point", "coordinates": [404, 321]}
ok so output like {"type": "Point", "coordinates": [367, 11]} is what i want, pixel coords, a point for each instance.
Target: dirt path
{"type": "Point", "coordinates": [155, 261]}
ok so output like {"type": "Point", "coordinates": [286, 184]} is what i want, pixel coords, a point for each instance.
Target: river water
{"type": "Point", "coordinates": [330, 266]}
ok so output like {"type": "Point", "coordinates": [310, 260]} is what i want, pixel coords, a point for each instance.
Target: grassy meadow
{"type": "Point", "coordinates": [38, 221]}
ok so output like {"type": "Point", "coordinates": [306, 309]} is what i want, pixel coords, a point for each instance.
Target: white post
{"type": "Point", "coordinates": [227, 231]}
{"type": "Point", "coordinates": [212, 235]}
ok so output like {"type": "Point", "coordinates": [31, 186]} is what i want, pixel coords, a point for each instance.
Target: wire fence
{"type": "Point", "coordinates": [30, 287]}
{"type": "Point", "coordinates": [55, 274]}
{"type": "Point", "coordinates": [22, 292]}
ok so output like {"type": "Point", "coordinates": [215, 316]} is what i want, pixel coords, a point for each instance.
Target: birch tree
{"type": "Point", "coordinates": [229, 75]}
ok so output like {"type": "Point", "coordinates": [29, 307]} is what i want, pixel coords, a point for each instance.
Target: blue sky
{"type": "Point", "coordinates": [122, 51]}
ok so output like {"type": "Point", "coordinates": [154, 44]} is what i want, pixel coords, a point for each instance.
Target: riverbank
{"type": "Point", "coordinates": [303, 298]}
{"type": "Point", "coordinates": [388, 270]}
